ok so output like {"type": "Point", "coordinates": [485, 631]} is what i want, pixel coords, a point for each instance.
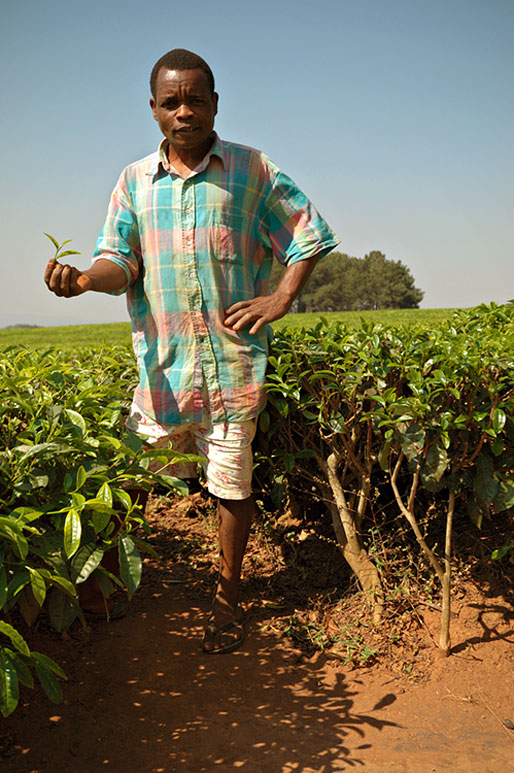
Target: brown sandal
{"type": "Point", "coordinates": [212, 632]}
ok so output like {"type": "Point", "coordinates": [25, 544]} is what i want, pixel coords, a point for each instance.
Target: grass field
{"type": "Point", "coordinates": [119, 332]}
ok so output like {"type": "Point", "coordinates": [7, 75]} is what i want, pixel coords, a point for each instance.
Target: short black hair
{"type": "Point", "coordinates": [180, 59]}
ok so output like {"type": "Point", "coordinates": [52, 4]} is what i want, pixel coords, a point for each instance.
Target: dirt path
{"type": "Point", "coordinates": [142, 697]}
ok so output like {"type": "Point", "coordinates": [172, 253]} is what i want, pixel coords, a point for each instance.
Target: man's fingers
{"type": "Point", "coordinates": [255, 328]}
{"type": "Point", "coordinates": [53, 276]}
{"type": "Point", "coordinates": [64, 280]}
{"type": "Point", "coordinates": [242, 318]}
{"type": "Point", "coordinates": [84, 283]}
{"type": "Point", "coordinates": [48, 271]}
{"type": "Point", "coordinates": [237, 306]}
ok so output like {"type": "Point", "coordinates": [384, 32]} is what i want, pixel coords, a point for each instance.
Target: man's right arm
{"type": "Point", "coordinates": [67, 281]}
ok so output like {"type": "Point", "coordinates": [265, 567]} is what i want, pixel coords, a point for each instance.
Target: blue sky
{"type": "Point", "coordinates": [394, 116]}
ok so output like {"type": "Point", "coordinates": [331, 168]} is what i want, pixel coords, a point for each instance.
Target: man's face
{"type": "Point", "coordinates": [184, 107]}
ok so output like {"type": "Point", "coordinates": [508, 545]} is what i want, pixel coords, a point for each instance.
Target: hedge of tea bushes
{"type": "Point", "coordinates": [428, 413]}
{"type": "Point", "coordinates": [67, 467]}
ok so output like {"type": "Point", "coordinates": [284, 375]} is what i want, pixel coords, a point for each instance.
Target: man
{"type": "Point", "coordinates": [190, 235]}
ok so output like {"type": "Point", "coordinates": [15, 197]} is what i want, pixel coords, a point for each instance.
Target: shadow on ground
{"type": "Point", "coordinates": [142, 696]}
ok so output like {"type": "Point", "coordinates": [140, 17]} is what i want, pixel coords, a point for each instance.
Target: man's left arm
{"type": "Point", "coordinates": [264, 309]}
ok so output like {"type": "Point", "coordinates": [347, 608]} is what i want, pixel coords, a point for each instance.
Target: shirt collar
{"type": "Point", "coordinates": [161, 158]}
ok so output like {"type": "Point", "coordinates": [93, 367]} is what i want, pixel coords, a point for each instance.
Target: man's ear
{"type": "Point", "coordinates": [215, 98]}
{"type": "Point", "coordinates": [153, 106]}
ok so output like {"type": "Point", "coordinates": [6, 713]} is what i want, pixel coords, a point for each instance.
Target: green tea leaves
{"type": "Point", "coordinates": [58, 248]}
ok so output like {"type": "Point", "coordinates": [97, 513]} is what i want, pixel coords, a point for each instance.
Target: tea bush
{"type": "Point", "coordinates": [67, 470]}
{"type": "Point", "coordinates": [427, 412]}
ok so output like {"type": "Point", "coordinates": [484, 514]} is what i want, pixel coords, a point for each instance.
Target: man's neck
{"type": "Point", "coordinates": [185, 161]}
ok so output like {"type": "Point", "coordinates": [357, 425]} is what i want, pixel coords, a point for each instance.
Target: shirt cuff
{"type": "Point", "coordinates": [122, 265]}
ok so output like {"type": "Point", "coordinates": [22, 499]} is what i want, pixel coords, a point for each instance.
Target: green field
{"type": "Point", "coordinates": [119, 332]}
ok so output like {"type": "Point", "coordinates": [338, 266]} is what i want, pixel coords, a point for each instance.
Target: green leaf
{"type": "Point", "coordinates": [289, 461]}
{"type": "Point", "coordinates": [28, 606]}
{"type": "Point", "coordinates": [499, 419]}
{"type": "Point", "coordinates": [498, 554]}
{"type": "Point", "coordinates": [412, 440]}
{"type": "Point", "coordinates": [17, 582]}
{"type": "Point", "coordinates": [61, 582]}
{"type": "Point", "coordinates": [175, 483]}
{"type": "Point", "coordinates": [123, 497]}
{"type": "Point", "coordinates": [62, 610]}
{"type": "Point", "coordinates": [3, 586]}
{"type": "Point", "coordinates": [49, 683]}
{"type": "Point", "coordinates": [484, 484]}
{"type": "Point", "coordinates": [497, 446]}
{"type": "Point", "coordinates": [23, 671]}
{"type": "Point", "coordinates": [50, 665]}
{"type": "Point", "coordinates": [72, 533]}
{"type": "Point", "coordinates": [282, 406]}
{"type": "Point", "coordinates": [12, 531]}
{"type": "Point", "coordinates": [104, 582]}
{"type": "Point", "coordinates": [336, 422]}
{"type": "Point", "coordinates": [15, 637]}
{"type": "Point", "coordinates": [85, 562]}
{"type": "Point", "coordinates": [100, 521]}
{"type": "Point", "coordinates": [81, 478]}
{"type": "Point", "coordinates": [130, 564]}
{"type": "Point", "coordinates": [66, 253]}
{"type": "Point", "coordinates": [38, 586]}
{"type": "Point", "coordinates": [504, 500]}
{"type": "Point", "coordinates": [383, 458]}
{"type": "Point", "coordinates": [435, 464]}
{"type": "Point", "coordinates": [306, 453]}
{"type": "Point", "coordinates": [99, 506]}
{"type": "Point", "coordinates": [264, 421]}
{"type": "Point", "coordinates": [77, 420]}
{"type": "Point", "coordinates": [9, 686]}
{"type": "Point", "coordinates": [144, 547]}
{"type": "Point", "coordinates": [105, 494]}
{"type": "Point", "coordinates": [53, 240]}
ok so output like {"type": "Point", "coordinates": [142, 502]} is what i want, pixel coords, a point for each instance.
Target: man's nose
{"type": "Point", "coordinates": [184, 111]}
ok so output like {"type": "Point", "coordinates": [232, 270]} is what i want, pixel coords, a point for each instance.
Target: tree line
{"type": "Point", "coordinates": [343, 283]}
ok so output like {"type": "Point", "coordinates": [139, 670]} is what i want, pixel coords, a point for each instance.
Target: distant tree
{"type": "Point", "coordinates": [343, 283]}
{"type": "Point", "coordinates": [388, 284]}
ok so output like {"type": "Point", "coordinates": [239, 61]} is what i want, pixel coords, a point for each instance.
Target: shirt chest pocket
{"type": "Point", "coordinates": [226, 237]}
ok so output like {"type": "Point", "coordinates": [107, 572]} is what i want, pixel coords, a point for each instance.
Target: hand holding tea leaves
{"type": "Point", "coordinates": [67, 281]}
{"type": "Point", "coordinates": [63, 280]}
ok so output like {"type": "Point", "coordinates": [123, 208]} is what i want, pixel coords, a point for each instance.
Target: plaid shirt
{"type": "Point", "coordinates": [191, 248]}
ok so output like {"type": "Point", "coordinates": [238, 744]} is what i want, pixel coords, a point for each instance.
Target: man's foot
{"type": "Point", "coordinates": [222, 633]}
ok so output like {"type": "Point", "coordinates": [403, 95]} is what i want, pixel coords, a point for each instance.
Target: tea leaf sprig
{"type": "Point", "coordinates": [58, 247]}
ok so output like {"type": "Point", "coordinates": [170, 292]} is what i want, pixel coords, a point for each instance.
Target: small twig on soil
{"type": "Point", "coordinates": [505, 730]}
{"type": "Point", "coordinates": [482, 702]}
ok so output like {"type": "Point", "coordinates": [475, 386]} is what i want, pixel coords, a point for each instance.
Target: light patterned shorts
{"type": "Point", "coordinates": [227, 448]}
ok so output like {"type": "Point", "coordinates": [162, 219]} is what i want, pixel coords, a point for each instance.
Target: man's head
{"type": "Point", "coordinates": [181, 59]}
{"type": "Point", "coordinates": [184, 102]}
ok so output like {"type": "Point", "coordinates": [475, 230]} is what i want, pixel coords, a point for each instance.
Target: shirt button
{"type": "Point", "coordinates": [191, 274]}
{"type": "Point", "coordinates": [189, 242]}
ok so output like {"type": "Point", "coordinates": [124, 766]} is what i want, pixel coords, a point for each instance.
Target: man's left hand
{"type": "Point", "coordinates": [256, 312]}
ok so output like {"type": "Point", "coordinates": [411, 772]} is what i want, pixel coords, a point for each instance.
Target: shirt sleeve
{"type": "Point", "coordinates": [119, 239]}
{"type": "Point", "coordinates": [293, 225]}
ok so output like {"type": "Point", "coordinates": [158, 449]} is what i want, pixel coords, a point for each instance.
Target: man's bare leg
{"type": "Point", "coordinates": [234, 521]}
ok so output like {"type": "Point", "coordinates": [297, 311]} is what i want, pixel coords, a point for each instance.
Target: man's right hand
{"type": "Point", "coordinates": [66, 281]}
